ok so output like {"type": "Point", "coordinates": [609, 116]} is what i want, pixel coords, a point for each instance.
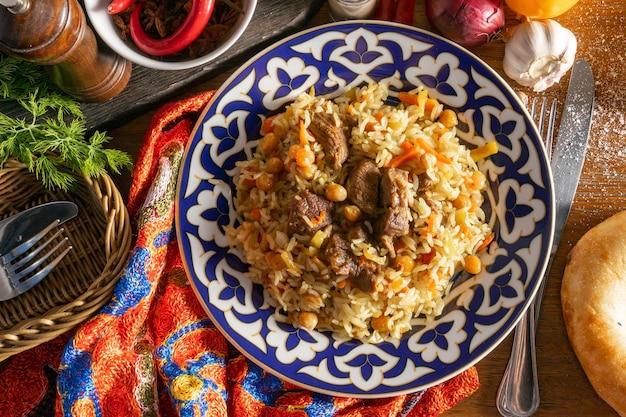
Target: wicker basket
{"type": "Point", "coordinates": [101, 238]}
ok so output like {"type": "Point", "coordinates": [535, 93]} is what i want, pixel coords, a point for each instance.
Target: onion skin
{"type": "Point", "coordinates": [469, 23]}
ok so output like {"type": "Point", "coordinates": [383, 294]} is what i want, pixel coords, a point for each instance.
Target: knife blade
{"type": "Point", "coordinates": [24, 225]}
{"type": "Point", "coordinates": [568, 156]}
{"type": "Point", "coordinates": [518, 394]}
{"type": "Point", "coordinates": [571, 144]}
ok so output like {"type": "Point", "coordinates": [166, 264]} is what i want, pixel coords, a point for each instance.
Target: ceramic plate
{"type": "Point", "coordinates": [480, 310]}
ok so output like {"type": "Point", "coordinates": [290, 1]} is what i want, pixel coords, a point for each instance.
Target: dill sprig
{"type": "Point", "coordinates": [52, 136]}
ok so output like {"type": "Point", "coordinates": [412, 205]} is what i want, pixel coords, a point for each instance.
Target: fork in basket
{"type": "Point", "coordinates": [25, 263]}
{"type": "Point", "coordinates": [519, 388]}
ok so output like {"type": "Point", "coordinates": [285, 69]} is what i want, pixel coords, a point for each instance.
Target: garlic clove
{"type": "Point", "coordinates": [539, 53]}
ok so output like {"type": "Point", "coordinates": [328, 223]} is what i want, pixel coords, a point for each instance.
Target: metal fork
{"type": "Point", "coordinates": [514, 398]}
{"type": "Point", "coordinates": [30, 262]}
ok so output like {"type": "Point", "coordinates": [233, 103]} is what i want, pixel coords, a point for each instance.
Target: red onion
{"type": "Point", "coordinates": [468, 22]}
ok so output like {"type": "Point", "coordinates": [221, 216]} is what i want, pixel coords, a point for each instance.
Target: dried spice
{"type": "Point", "coordinates": [160, 18]}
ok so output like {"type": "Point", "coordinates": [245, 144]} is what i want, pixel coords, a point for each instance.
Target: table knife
{"type": "Point", "coordinates": [518, 394]}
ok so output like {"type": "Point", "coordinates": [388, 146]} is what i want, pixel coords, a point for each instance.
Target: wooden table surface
{"type": "Point", "coordinates": [600, 28]}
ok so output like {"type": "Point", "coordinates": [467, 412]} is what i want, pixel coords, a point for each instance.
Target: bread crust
{"type": "Point", "coordinates": [593, 297]}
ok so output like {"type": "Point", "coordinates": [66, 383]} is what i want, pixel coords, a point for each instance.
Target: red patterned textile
{"type": "Point", "coordinates": [152, 351]}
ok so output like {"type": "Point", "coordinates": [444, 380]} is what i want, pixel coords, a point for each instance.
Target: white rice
{"type": "Point", "coordinates": [298, 277]}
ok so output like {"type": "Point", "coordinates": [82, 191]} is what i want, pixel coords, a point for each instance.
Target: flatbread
{"type": "Point", "coordinates": [593, 296]}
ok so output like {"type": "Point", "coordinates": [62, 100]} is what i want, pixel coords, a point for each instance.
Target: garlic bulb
{"type": "Point", "coordinates": [538, 53]}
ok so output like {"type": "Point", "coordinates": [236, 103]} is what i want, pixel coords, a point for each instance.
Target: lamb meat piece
{"type": "Point", "coordinates": [331, 137]}
{"type": "Point", "coordinates": [361, 273]}
{"type": "Point", "coordinates": [340, 256]}
{"type": "Point", "coordinates": [358, 231]}
{"type": "Point", "coordinates": [308, 205]}
{"type": "Point", "coordinates": [362, 186]}
{"type": "Point", "coordinates": [350, 121]}
{"type": "Point", "coordinates": [366, 278]}
{"type": "Point", "coordinates": [393, 222]}
{"type": "Point", "coordinates": [425, 182]}
{"type": "Point", "coordinates": [389, 242]}
{"type": "Point", "coordinates": [394, 187]}
{"type": "Point", "coordinates": [394, 197]}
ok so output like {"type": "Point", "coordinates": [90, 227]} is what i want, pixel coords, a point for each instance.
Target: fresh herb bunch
{"type": "Point", "coordinates": [53, 136]}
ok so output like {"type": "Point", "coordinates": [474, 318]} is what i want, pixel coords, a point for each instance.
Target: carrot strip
{"type": "Point", "coordinates": [256, 213]}
{"type": "Point", "coordinates": [420, 99]}
{"type": "Point", "coordinates": [268, 124]}
{"type": "Point", "coordinates": [486, 242]}
{"type": "Point", "coordinates": [427, 148]}
{"type": "Point", "coordinates": [430, 105]}
{"type": "Point", "coordinates": [427, 257]}
{"type": "Point", "coordinates": [303, 136]}
{"type": "Point", "coordinates": [408, 98]}
{"type": "Point", "coordinates": [319, 219]}
{"type": "Point", "coordinates": [410, 151]}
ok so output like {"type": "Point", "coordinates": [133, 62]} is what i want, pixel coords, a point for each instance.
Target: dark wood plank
{"type": "Point", "coordinates": [272, 20]}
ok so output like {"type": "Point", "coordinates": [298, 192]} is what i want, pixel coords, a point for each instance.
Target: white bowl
{"type": "Point", "coordinates": [104, 26]}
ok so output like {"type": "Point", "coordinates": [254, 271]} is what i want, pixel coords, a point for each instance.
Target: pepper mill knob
{"type": "Point", "coordinates": [55, 34]}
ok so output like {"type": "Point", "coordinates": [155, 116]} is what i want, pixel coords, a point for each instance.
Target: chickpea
{"type": "Point", "coordinates": [274, 165]}
{"type": "Point", "coordinates": [305, 157]}
{"type": "Point", "coordinates": [280, 129]}
{"type": "Point", "coordinates": [352, 213]}
{"type": "Point", "coordinates": [269, 143]}
{"type": "Point", "coordinates": [308, 320]}
{"type": "Point", "coordinates": [380, 323]}
{"type": "Point", "coordinates": [293, 152]}
{"type": "Point", "coordinates": [448, 118]}
{"type": "Point", "coordinates": [472, 264]}
{"type": "Point", "coordinates": [336, 192]}
{"type": "Point", "coordinates": [478, 180]}
{"type": "Point", "coordinates": [265, 182]}
{"type": "Point", "coordinates": [461, 202]}
{"type": "Point", "coordinates": [405, 264]}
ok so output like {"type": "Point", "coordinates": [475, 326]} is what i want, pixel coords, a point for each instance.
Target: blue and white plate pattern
{"type": "Point", "coordinates": [480, 310]}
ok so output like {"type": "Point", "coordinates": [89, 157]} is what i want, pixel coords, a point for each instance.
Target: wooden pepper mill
{"type": "Point", "coordinates": [54, 33]}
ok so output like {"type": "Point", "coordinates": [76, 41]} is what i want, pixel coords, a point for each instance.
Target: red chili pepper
{"type": "Point", "coordinates": [195, 22]}
{"type": "Point", "coordinates": [404, 12]}
{"type": "Point", "coordinates": [384, 10]}
{"type": "Point", "coordinates": [118, 6]}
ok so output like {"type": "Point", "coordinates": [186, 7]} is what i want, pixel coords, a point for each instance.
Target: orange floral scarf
{"type": "Point", "coordinates": [152, 351]}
